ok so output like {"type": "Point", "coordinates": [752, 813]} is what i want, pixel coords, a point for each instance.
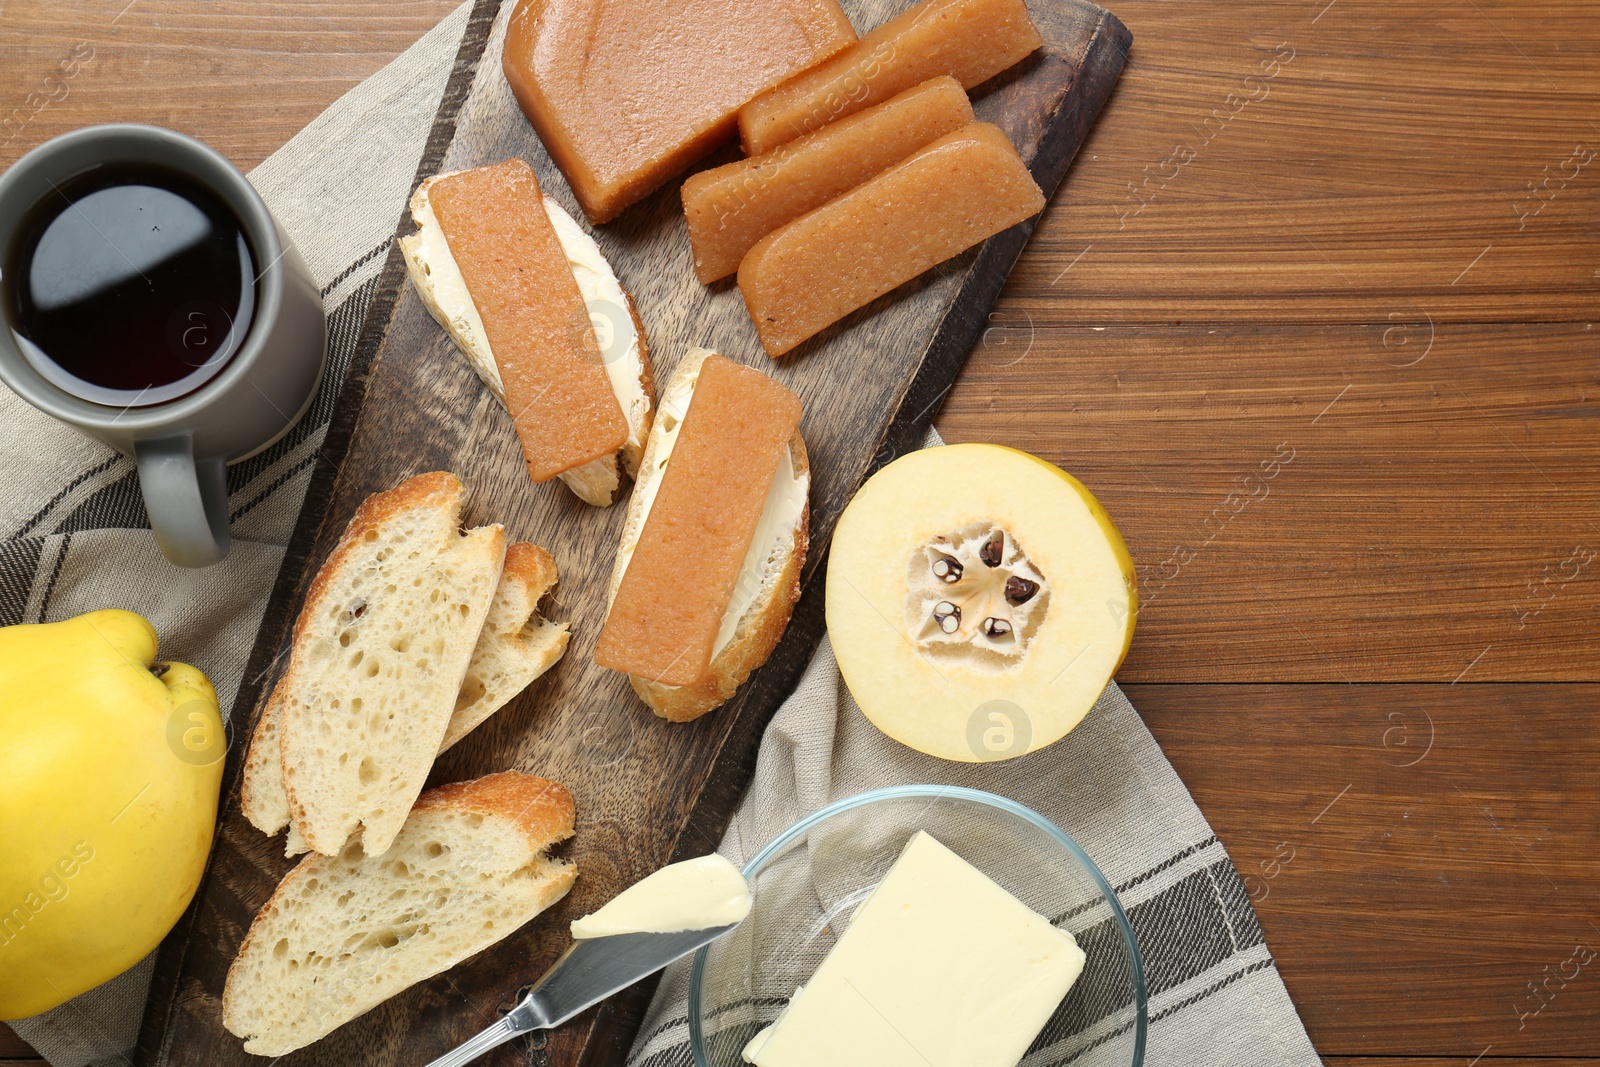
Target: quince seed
{"type": "Point", "coordinates": [1020, 590]}
{"type": "Point", "coordinates": [993, 549]}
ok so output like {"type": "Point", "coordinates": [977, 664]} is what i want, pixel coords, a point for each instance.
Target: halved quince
{"type": "Point", "coordinates": [978, 599]}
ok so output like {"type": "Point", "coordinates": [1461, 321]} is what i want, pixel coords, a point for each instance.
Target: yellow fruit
{"type": "Point", "coordinates": [112, 763]}
{"type": "Point", "coordinates": [978, 600]}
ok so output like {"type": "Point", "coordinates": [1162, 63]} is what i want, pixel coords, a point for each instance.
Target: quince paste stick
{"type": "Point", "coordinates": [732, 207]}
{"type": "Point", "coordinates": [538, 325]}
{"type": "Point", "coordinates": [970, 40]}
{"type": "Point", "coordinates": [944, 199]}
{"type": "Point", "coordinates": [663, 623]}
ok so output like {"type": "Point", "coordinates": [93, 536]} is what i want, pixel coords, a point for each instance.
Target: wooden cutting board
{"type": "Point", "coordinates": [647, 791]}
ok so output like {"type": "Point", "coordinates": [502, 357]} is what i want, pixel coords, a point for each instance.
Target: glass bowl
{"type": "Point", "coordinates": [808, 881]}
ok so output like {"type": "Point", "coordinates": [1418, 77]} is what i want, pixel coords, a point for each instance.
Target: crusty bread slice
{"type": "Point", "coordinates": [763, 622]}
{"type": "Point", "coordinates": [261, 795]}
{"type": "Point", "coordinates": [514, 647]}
{"type": "Point", "coordinates": [380, 650]}
{"type": "Point", "coordinates": [344, 933]}
{"type": "Point", "coordinates": [599, 481]}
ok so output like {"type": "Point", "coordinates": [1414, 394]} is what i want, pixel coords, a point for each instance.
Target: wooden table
{"type": "Point", "coordinates": [1312, 316]}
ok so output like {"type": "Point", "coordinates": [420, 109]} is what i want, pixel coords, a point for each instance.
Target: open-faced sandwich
{"type": "Point", "coordinates": [709, 565]}
{"type": "Point", "coordinates": [531, 302]}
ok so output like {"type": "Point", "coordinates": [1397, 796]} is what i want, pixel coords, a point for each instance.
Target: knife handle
{"type": "Point", "coordinates": [494, 1036]}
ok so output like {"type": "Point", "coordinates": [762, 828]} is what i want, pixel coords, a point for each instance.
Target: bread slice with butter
{"type": "Point", "coordinates": [755, 614]}
{"type": "Point", "coordinates": [614, 319]}
{"type": "Point", "coordinates": [514, 648]}
{"type": "Point", "coordinates": [344, 933]}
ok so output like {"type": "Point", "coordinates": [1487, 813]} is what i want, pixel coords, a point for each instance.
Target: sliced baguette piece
{"type": "Point", "coordinates": [514, 648]}
{"type": "Point", "coordinates": [768, 585]}
{"type": "Point", "coordinates": [379, 653]}
{"type": "Point", "coordinates": [619, 331]}
{"type": "Point", "coordinates": [344, 933]}
{"type": "Point", "coordinates": [261, 795]}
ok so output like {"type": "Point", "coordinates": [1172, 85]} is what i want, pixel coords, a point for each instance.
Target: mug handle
{"type": "Point", "coordinates": [187, 499]}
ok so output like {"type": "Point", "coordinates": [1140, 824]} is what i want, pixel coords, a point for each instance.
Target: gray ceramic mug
{"type": "Point", "coordinates": [182, 446]}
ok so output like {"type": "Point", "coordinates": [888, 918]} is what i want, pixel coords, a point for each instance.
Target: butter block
{"type": "Point", "coordinates": [941, 966]}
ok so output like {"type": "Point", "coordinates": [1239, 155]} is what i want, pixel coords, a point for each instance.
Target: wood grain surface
{"type": "Point", "coordinates": [1421, 856]}
{"type": "Point", "coordinates": [1409, 175]}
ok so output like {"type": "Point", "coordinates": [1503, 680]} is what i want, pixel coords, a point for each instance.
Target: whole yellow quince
{"type": "Point", "coordinates": [112, 764]}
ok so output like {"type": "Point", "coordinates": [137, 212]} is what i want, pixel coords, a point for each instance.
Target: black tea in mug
{"type": "Point", "coordinates": [131, 285]}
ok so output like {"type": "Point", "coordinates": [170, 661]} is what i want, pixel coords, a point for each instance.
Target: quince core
{"type": "Point", "coordinates": [978, 600]}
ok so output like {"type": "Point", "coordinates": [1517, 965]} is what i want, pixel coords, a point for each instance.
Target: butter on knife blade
{"type": "Point", "coordinates": [696, 894]}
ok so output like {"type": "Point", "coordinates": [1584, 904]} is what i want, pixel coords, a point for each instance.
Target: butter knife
{"type": "Point", "coordinates": [588, 972]}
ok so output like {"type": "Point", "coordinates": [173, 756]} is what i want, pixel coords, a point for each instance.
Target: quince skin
{"type": "Point", "coordinates": [107, 803]}
{"type": "Point", "coordinates": [978, 601]}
